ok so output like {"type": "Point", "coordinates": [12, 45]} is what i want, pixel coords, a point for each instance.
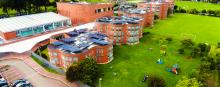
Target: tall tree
{"type": "Point", "coordinates": [86, 71]}
{"type": "Point", "coordinates": [5, 5]}
{"type": "Point", "coordinates": [45, 3]}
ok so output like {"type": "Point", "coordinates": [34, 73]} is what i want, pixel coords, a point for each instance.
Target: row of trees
{"type": "Point", "coordinates": [209, 1]}
{"type": "Point", "coordinates": [25, 6]}
{"type": "Point", "coordinates": [210, 62]}
{"type": "Point", "coordinates": [215, 13]}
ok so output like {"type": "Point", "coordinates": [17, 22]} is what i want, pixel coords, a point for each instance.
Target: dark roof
{"type": "Point", "coordinates": [69, 40]}
{"type": "Point", "coordinates": [69, 48]}
{"type": "Point", "coordinates": [57, 43]}
{"type": "Point", "coordinates": [119, 20]}
{"type": "Point", "coordinates": [100, 42]}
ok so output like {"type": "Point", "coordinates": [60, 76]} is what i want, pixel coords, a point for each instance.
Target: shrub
{"type": "Point", "coordinates": [169, 11]}
{"type": "Point", "coordinates": [218, 45]}
{"type": "Point", "coordinates": [181, 51]}
{"type": "Point", "coordinates": [44, 56]}
{"type": "Point", "coordinates": [210, 12]}
{"type": "Point", "coordinates": [196, 52]}
{"type": "Point", "coordinates": [187, 43]}
{"type": "Point", "coordinates": [193, 11]}
{"type": "Point", "coordinates": [203, 11]}
{"type": "Point", "coordinates": [217, 13]}
{"type": "Point", "coordinates": [169, 39]}
{"type": "Point", "coordinates": [146, 33]}
{"type": "Point", "coordinates": [156, 17]}
{"type": "Point", "coordinates": [175, 8]}
{"type": "Point", "coordinates": [156, 82]}
{"type": "Point", "coordinates": [181, 10]}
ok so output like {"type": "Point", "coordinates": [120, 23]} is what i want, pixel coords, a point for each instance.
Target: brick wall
{"type": "Point", "coordinates": [83, 13]}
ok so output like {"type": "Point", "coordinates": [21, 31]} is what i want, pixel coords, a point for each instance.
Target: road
{"type": "Point", "coordinates": [36, 79]}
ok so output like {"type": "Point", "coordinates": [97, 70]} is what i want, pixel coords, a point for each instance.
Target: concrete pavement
{"type": "Point", "coordinates": [36, 79]}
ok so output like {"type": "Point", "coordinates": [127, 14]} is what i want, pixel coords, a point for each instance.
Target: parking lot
{"type": "Point", "coordinates": [28, 73]}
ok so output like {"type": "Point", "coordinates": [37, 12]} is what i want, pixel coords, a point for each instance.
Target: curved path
{"type": "Point", "coordinates": [36, 79]}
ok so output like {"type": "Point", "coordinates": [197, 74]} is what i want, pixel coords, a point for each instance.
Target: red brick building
{"type": "Point", "coordinates": [159, 8]}
{"type": "Point", "coordinates": [148, 17]}
{"type": "Point", "coordinates": [122, 30]}
{"type": "Point", "coordinates": [72, 47]}
{"type": "Point", "coordinates": [82, 12]}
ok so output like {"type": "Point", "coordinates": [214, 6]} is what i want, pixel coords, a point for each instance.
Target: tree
{"type": "Point", "coordinates": [72, 73]}
{"type": "Point", "coordinates": [5, 5]}
{"type": "Point", "coordinates": [156, 82]}
{"type": "Point", "coordinates": [86, 71]}
{"type": "Point", "coordinates": [18, 5]}
{"type": "Point", "coordinates": [188, 82]}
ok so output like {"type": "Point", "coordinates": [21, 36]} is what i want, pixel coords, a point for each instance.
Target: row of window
{"type": "Point", "coordinates": [41, 29]}
{"type": "Point", "coordinates": [104, 9]}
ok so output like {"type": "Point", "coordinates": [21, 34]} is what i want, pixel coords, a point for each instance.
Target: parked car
{"type": "Point", "coordinates": [21, 83]}
{"type": "Point", "coordinates": [3, 82]}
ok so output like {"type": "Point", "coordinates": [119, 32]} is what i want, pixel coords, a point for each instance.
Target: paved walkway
{"type": "Point", "coordinates": [25, 64]}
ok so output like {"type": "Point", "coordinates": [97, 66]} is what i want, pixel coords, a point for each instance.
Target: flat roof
{"type": "Point", "coordinates": [26, 21]}
{"type": "Point", "coordinates": [19, 47]}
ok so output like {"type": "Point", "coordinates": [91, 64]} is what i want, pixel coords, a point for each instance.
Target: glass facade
{"type": "Point", "coordinates": [38, 30]}
{"type": "Point", "coordinates": [41, 29]}
{"type": "Point", "coordinates": [57, 25]}
{"type": "Point", "coordinates": [26, 32]}
{"type": "Point", "coordinates": [48, 27]}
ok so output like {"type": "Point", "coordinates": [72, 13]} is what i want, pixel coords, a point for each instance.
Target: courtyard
{"type": "Point", "coordinates": [131, 63]}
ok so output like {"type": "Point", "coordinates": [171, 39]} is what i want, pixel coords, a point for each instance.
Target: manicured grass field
{"type": "Point", "coordinates": [197, 5]}
{"type": "Point", "coordinates": [131, 63]}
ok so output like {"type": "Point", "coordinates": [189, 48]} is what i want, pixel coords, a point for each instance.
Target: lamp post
{"type": "Point", "coordinates": [100, 79]}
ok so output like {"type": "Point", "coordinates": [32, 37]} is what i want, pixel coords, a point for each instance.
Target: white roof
{"type": "Point", "coordinates": [19, 47]}
{"type": "Point", "coordinates": [20, 22]}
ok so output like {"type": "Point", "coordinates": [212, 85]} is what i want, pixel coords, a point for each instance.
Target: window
{"type": "Point", "coordinates": [66, 23]}
{"type": "Point", "coordinates": [38, 29]}
{"type": "Point", "coordinates": [55, 54]}
{"type": "Point", "coordinates": [98, 10]}
{"type": "Point", "coordinates": [54, 60]}
{"type": "Point", "coordinates": [26, 32]}
{"type": "Point", "coordinates": [57, 25]}
{"type": "Point", "coordinates": [75, 59]}
{"type": "Point", "coordinates": [48, 27]}
{"type": "Point", "coordinates": [109, 8]}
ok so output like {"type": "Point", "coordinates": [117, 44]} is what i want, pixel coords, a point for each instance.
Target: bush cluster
{"type": "Point", "coordinates": [215, 13]}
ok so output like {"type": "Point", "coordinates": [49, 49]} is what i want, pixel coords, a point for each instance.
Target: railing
{"type": "Point", "coordinates": [47, 63]}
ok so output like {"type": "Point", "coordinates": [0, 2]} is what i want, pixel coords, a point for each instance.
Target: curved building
{"type": "Point", "coordinates": [72, 47]}
{"type": "Point", "coordinates": [159, 8]}
{"type": "Point", "coordinates": [122, 30]}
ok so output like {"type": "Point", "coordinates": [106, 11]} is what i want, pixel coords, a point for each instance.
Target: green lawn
{"type": "Point", "coordinates": [197, 5]}
{"type": "Point", "coordinates": [132, 62]}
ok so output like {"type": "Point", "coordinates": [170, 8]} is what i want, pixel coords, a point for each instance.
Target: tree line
{"type": "Point", "coordinates": [25, 6]}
